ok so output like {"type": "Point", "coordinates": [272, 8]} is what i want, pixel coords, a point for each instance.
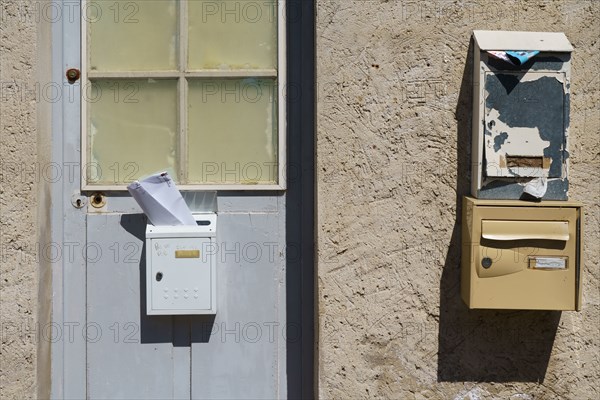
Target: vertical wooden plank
{"type": "Point", "coordinates": [134, 355]}
{"type": "Point", "coordinates": [237, 354]}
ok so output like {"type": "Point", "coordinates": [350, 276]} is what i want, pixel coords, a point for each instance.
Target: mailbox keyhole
{"type": "Point", "coordinates": [159, 276]}
{"type": "Point", "coordinates": [486, 262]}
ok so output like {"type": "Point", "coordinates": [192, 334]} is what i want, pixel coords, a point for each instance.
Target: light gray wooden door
{"type": "Point", "coordinates": [245, 350]}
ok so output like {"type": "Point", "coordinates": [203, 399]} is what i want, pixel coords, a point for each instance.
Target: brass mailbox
{"type": "Point", "coordinates": [521, 255]}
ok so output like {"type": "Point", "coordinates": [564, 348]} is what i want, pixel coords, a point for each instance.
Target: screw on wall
{"type": "Point", "coordinates": [97, 200]}
{"type": "Point", "coordinates": [73, 75]}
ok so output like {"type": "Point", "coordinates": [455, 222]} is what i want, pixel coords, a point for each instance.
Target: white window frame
{"type": "Point", "coordinates": [280, 74]}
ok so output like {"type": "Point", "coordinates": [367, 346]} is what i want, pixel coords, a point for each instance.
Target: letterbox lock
{"type": "Point", "coordinates": [486, 262]}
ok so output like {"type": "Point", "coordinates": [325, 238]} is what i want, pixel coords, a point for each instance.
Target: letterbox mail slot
{"type": "Point", "coordinates": [181, 268]}
{"type": "Point", "coordinates": [521, 255]}
{"type": "Point", "coordinates": [524, 230]}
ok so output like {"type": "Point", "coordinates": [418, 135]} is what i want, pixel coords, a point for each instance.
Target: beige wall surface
{"type": "Point", "coordinates": [19, 179]}
{"type": "Point", "coordinates": [393, 147]}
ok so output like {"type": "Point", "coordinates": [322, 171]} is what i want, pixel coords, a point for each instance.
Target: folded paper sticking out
{"type": "Point", "coordinates": [160, 200]}
{"type": "Point", "coordinates": [520, 57]}
{"type": "Point", "coordinates": [514, 57]}
{"type": "Point", "coordinates": [501, 55]}
{"type": "Point", "coordinates": [536, 187]}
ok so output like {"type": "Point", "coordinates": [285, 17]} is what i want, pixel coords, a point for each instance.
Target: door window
{"type": "Point", "coordinates": [193, 87]}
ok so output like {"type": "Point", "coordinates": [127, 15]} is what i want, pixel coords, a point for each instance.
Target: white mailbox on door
{"type": "Point", "coordinates": [181, 268]}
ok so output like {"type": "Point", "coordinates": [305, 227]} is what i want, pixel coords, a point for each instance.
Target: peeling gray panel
{"type": "Point", "coordinates": [521, 116]}
{"type": "Point", "coordinates": [557, 190]}
{"type": "Point", "coordinates": [502, 189]}
{"type": "Point", "coordinates": [567, 117]}
{"type": "Point", "coordinates": [526, 118]}
{"type": "Point", "coordinates": [536, 103]}
{"type": "Point", "coordinates": [499, 140]}
{"type": "Point", "coordinates": [533, 103]}
{"type": "Point", "coordinates": [550, 62]}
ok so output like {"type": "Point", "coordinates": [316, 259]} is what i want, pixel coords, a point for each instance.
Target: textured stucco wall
{"type": "Point", "coordinates": [18, 205]}
{"type": "Point", "coordinates": [393, 144]}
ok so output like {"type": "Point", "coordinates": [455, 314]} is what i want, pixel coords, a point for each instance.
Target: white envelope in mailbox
{"type": "Point", "coordinates": [160, 200]}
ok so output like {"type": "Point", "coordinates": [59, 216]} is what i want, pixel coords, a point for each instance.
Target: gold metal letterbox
{"type": "Point", "coordinates": [521, 255]}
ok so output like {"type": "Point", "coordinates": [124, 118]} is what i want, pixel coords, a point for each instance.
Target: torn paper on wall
{"type": "Point", "coordinates": [160, 200]}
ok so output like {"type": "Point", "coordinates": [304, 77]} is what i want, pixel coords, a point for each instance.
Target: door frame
{"type": "Point", "coordinates": [62, 359]}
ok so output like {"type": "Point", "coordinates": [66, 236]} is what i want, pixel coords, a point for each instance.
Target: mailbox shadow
{"type": "Point", "coordinates": [484, 345]}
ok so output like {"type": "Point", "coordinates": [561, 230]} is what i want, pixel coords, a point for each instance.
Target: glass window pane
{"type": "Point", "coordinates": [132, 129]}
{"type": "Point", "coordinates": [232, 34]}
{"type": "Point", "coordinates": [232, 131]}
{"type": "Point", "coordinates": [132, 35]}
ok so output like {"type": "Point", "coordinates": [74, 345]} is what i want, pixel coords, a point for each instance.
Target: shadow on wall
{"type": "Point", "coordinates": [484, 345]}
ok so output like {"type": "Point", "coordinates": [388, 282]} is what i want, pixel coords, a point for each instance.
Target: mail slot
{"type": "Point", "coordinates": [521, 255]}
{"type": "Point", "coordinates": [524, 230]}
